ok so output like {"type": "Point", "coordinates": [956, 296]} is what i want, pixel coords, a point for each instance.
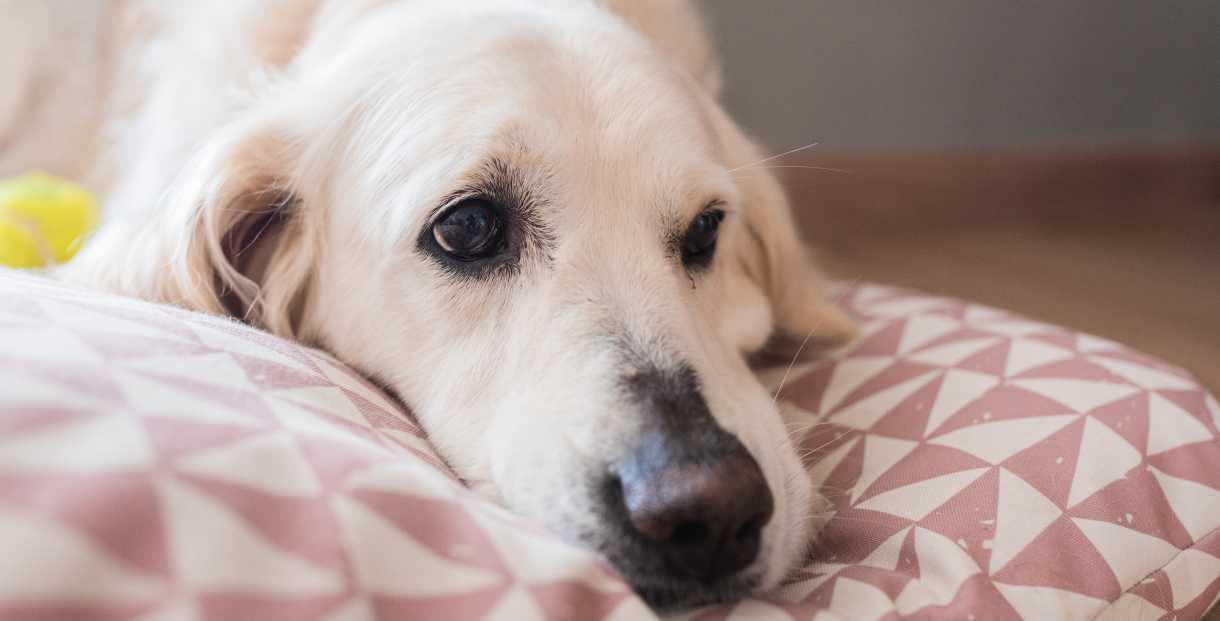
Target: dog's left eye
{"type": "Point", "coordinates": [470, 230]}
{"type": "Point", "coordinates": [699, 243]}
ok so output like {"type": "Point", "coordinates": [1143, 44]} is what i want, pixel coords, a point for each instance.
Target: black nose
{"type": "Point", "coordinates": [702, 514]}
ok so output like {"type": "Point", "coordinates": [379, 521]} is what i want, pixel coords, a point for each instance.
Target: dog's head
{"type": "Point", "coordinates": [540, 230]}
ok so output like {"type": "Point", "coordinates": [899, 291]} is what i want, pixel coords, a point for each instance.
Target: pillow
{"type": "Point", "coordinates": [162, 464]}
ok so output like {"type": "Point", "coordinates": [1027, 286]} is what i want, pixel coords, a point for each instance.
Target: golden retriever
{"type": "Point", "coordinates": [529, 219]}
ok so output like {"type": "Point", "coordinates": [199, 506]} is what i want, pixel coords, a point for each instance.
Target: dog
{"type": "Point", "coordinates": [530, 220]}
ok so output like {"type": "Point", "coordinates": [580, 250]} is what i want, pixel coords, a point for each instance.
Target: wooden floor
{"type": "Point", "coordinates": [1152, 285]}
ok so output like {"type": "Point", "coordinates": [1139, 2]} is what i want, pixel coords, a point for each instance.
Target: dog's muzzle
{"type": "Point", "coordinates": [689, 500]}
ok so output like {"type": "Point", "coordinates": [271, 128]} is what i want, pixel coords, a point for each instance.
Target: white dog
{"type": "Point", "coordinates": [529, 219]}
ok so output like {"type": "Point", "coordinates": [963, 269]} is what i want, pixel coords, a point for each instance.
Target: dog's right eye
{"type": "Point", "coordinates": [470, 230]}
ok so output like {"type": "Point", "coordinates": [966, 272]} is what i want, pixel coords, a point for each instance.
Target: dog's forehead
{"type": "Point", "coordinates": [583, 109]}
{"type": "Point", "coordinates": [639, 162]}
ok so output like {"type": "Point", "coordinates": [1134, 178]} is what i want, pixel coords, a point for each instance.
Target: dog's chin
{"type": "Point", "coordinates": [668, 594]}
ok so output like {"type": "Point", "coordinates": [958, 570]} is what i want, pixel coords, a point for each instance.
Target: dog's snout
{"type": "Point", "coordinates": [704, 518]}
{"type": "Point", "coordinates": [690, 499]}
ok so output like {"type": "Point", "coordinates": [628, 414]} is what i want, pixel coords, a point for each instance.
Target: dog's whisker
{"type": "Point", "coordinates": [778, 156]}
{"type": "Point", "coordinates": [806, 457]}
{"type": "Point", "coordinates": [810, 452]}
{"type": "Point", "coordinates": [843, 171]}
{"type": "Point", "coordinates": [792, 365]}
{"type": "Point", "coordinates": [822, 445]}
{"type": "Point", "coordinates": [837, 518]}
{"type": "Point", "coordinates": [800, 429]}
{"type": "Point", "coordinates": [834, 490]}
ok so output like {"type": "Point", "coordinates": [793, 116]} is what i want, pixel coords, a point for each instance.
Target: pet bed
{"type": "Point", "coordinates": [162, 464]}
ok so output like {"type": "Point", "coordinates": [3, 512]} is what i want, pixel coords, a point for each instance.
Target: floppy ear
{"type": "Point", "coordinates": [769, 264]}
{"type": "Point", "coordinates": [231, 237]}
{"type": "Point", "coordinates": [677, 29]}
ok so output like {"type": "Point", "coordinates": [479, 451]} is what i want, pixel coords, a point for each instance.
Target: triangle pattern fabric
{"type": "Point", "coordinates": [1196, 506]}
{"type": "Point", "coordinates": [211, 367]}
{"type": "Point", "coordinates": [1128, 418]}
{"type": "Point", "coordinates": [142, 388]}
{"type": "Point", "coordinates": [270, 463]}
{"type": "Point", "coordinates": [953, 353]}
{"type": "Point", "coordinates": [861, 599]}
{"type": "Point", "coordinates": [943, 566]}
{"type": "Point", "coordinates": [969, 518]}
{"type": "Point", "coordinates": [1127, 551]}
{"type": "Point", "coordinates": [1043, 563]}
{"type": "Point", "coordinates": [204, 565]}
{"type": "Point", "coordinates": [1190, 575]}
{"type": "Point", "coordinates": [216, 607]}
{"type": "Point", "coordinates": [92, 317]}
{"type": "Point", "coordinates": [1088, 343]}
{"type": "Point", "coordinates": [997, 441]}
{"type": "Point", "coordinates": [39, 395]}
{"type": "Point", "coordinates": [517, 603]}
{"type": "Point", "coordinates": [865, 413]}
{"type": "Point", "coordinates": [1104, 458]}
{"type": "Point", "coordinates": [471, 606]}
{"type": "Point", "coordinates": [923, 329]}
{"type": "Point", "coordinates": [1131, 606]}
{"type": "Point", "coordinates": [964, 461]}
{"type": "Point", "coordinates": [1079, 395]}
{"type": "Point", "coordinates": [880, 454]}
{"type": "Point", "coordinates": [77, 501]}
{"type": "Point", "coordinates": [1138, 503]}
{"type": "Point", "coordinates": [914, 502]}
{"type": "Point", "coordinates": [43, 345]}
{"type": "Point", "coordinates": [849, 375]}
{"type": "Point", "coordinates": [539, 559]}
{"type": "Point", "coordinates": [61, 555]}
{"type": "Point", "coordinates": [1050, 465]}
{"type": "Point", "coordinates": [927, 462]}
{"type": "Point", "coordinates": [886, 555]}
{"type": "Point", "coordinates": [1050, 603]}
{"type": "Point", "coordinates": [958, 389]}
{"type": "Point", "coordinates": [567, 600]}
{"type": "Point", "coordinates": [1169, 426]}
{"type": "Point", "coordinates": [1024, 515]}
{"type": "Point", "coordinates": [125, 447]}
{"type": "Point", "coordinates": [826, 464]}
{"type": "Point", "coordinates": [1141, 375]}
{"type": "Point", "coordinates": [1026, 354]}
{"type": "Point", "coordinates": [375, 543]}
{"type": "Point", "coordinates": [1184, 462]}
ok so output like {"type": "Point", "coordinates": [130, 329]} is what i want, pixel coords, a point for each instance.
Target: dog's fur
{"type": "Point", "coordinates": [279, 160]}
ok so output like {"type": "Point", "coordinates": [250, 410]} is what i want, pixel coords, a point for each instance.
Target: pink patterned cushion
{"type": "Point", "coordinates": [158, 464]}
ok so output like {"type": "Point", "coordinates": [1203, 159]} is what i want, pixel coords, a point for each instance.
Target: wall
{"type": "Point", "coordinates": [866, 75]}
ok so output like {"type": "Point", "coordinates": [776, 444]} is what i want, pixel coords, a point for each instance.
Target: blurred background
{"type": "Point", "coordinates": [1060, 158]}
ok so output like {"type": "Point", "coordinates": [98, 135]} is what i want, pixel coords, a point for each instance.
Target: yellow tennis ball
{"type": "Point", "coordinates": [17, 246]}
{"type": "Point", "coordinates": [43, 219]}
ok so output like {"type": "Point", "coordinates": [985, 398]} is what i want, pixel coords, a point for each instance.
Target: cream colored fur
{"type": "Point", "coordinates": [350, 120]}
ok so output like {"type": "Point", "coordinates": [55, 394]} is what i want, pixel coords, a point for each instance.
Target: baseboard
{"type": "Point", "coordinates": [834, 193]}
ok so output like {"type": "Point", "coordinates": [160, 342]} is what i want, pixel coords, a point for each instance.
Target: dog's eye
{"type": "Point", "coordinates": [699, 243]}
{"type": "Point", "coordinates": [470, 230]}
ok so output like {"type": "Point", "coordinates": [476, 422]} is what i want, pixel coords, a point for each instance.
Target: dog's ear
{"type": "Point", "coordinates": [232, 236]}
{"type": "Point", "coordinates": [678, 30]}
{"type": "Point", "coordinates": [250, 248]}
{"type": "Point", "coordinates": [768, 266]}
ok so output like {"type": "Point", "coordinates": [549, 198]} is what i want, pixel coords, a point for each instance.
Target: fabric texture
{"type": "Point", "coordinates": [162, 464]}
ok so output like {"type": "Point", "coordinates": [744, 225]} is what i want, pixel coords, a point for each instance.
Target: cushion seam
{"type": "Point", "coordinates": [1193, 545]}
